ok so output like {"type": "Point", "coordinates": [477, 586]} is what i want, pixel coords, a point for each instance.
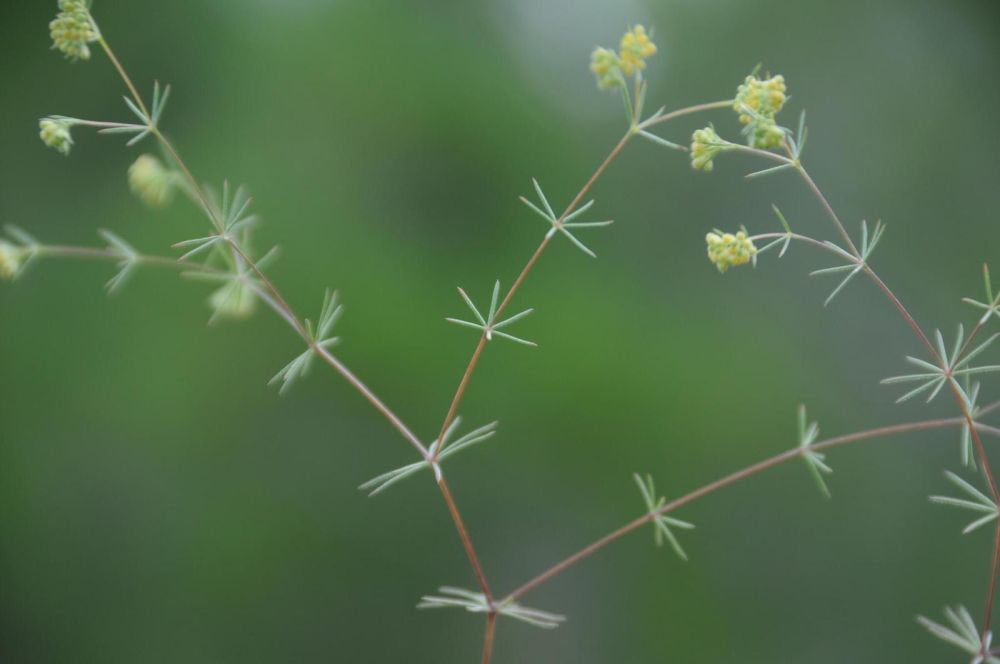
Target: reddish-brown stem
{"type": "Point", "coordinates": [904, 312]}
{"type": "Point", "coordinates": [471, 367]}
{"type": "Point", "coordinates": [959, 398]}
{"type": "Point", "coordinates": [988, 472]}
{"type": "Point", "coordinates": [491, 627]}
{"type": "Point", "coordinates": [829, 210]}
{"type": "Point", "coordinates": [463, 534]}
{"type": "Point", "coordinates": [732, 478]}
{"type": "Point", "coordinates": [124, 75]}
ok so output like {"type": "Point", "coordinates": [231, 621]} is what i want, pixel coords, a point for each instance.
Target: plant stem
{"type": "Point", "coordinates": [463, 534]}
{"type": "Point", "coordinates": [124, 75]}
{"type": "Point", "coordinates": [959, 398]}
{"type": "Point", "coordinates": [61, 251]}
{"type": "Point", "coordinates": [687, 110]}
{"type": "Point", "coordinates": [829, 210]}
{"type": "Point", "coordinates": [471, 367]}
{"type": "Point", "coordinates": [799, 238]}
{"type": "Point", "coordinates": [491, 626]}
{"type": "Point", "coordinates": [280, 304]}
{"type": "Point", "coordinates": [732, 478]}
{"type": "Point", "coordinates": [474, 360]}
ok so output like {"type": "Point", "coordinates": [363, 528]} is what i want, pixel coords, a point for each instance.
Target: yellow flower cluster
{"type": "Point", "coordinates": [11, 257]}
{"type": "Point", "coordinates": [758, 102]}
{"type": "Point", "coordinates": [611, 68]}
{"type": "Point", "coordinates": [635, 47]}
{"type": "Point", "coordinates": [54, 132]}
{"type": "Point", "coordinates": [705, 145]}
{"type": "Point", "coordinates": [73, 28]}
{"type": "Point", "coordinates": [728, 250]}
{"type": "Point", "coordinates": [604, 64]}
{"type": "Point", "coordinates": [151, 181]}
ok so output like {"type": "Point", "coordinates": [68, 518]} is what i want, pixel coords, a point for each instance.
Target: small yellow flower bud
{"type": "Point", "coordinates": [705, 145]}
{"type": "Point", "coordinates": [72, 29]}
{"type": "Point", "coordinates": [11, 260]}
{"type": "Point", "coordinates": [635, 47]}
{"type": "Point", "coordinates": [235, 299]}
{"type": "Point", "coordinates": [758, 102]}
{"type": "Point", "coordinates": [54, 132]}
{"type": "Point", "coordinates": [730, 249]}
{"type": "Point", "coordinates": [604, 63]}
{"type": "Point", "coordinates": [151, 181]}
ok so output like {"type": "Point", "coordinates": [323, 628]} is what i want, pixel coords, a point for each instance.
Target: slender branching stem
{"type": "Point", "coordinates": [124, 75]}
{"type": "Point", "coordinates": [588, 185]}
{"type": "Point", "coordinates": [463, 534]}
{"type": "Point", "coordinates": [63, 251]}
{"type": "Point", "coordinates": [959, 399]}
{"type": "Point", "coordinates": [269, 293]}
{"type": "Point", "coordinates": [723, 482]}
{"type": "Point", "coordinates": [904, 312]}
{"type": "Point", "coordinates": [280, 304]}
{"type": "Point", "coordinates": [799, 238]}
{"type": "Point", "coordinates": [829, 209]}
{"type": "Point", "coordinates": [763, 154]}
{"type": "Point", "coordinates": [687, 110]}
{"type": "Point", "coordinates": [491, 627]}
{"type": "Point", "coordinates": [474, 360]}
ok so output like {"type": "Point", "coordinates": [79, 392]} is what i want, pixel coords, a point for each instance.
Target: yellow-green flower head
{"type": "Point", "coordinates": [757, 103]}
{"type": "Point", "coordinates": [761, 97]}
{"type": "Point", "coordinates": [705, 145]}
{"type": "Point", "coordinates": [728, 249]}
{"type": "Point", "coordinates": [55, 133]}
{"type": "Point", "coordinates": [604, 63]}
{"type": "Point", "coordinates": [73, 28]}
{"type": "Point", "coordinates": [765, 134]}
{"type": "Point", "coordinates": [635, 47]}
{"type": "Point", "coordinates": [151, 181]}
{"type": "Point", "coordinates": [11, 260]}
{"type": "Point", "coordinates": [235, 299]}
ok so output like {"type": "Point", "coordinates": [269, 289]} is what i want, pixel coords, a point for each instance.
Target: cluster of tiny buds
{"type": "Point", "coordinates": [727, 250]}
{"type": "Point", "coordinates": [73, 28]}
{"type": "Point", "coordinates": [55, 133]}
{"type": "Point", "coordinates": [758, 102]}
{"type": "Point", "coordinates": [11, 260]}
{"type": "Point", "coordinates": [611, 68]}
{"type": "Point", "coordinates": [151, 181]}
{"type": "Point", "coordinates": [705, 145]}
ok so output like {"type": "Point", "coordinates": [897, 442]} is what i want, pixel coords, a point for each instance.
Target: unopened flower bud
{"type": "Point", "coordinates": [729, 249]}
{"type": "Point", "coordinates": [151, 181]}
{"type": "Point", "coordinates": [705, 145]}
{"type": "Point", "coordinates": [635, 47]}
{"type": "Point", "coordinates": [72, 29]}
{"type": "Point", "coordinates": [11, 260]}
{"type": "Point", "coordinates": [55, 133]}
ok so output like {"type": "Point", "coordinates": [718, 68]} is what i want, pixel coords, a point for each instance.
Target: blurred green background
{"type": "Point", "coordinates": [158, 503]}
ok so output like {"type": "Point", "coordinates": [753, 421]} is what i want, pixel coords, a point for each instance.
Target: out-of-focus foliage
{"type": "Point", "coordinates": [159, 504]}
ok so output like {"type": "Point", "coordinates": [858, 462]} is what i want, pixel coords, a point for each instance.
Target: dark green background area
{"type": "Point", "coordinates": [159, 504]}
